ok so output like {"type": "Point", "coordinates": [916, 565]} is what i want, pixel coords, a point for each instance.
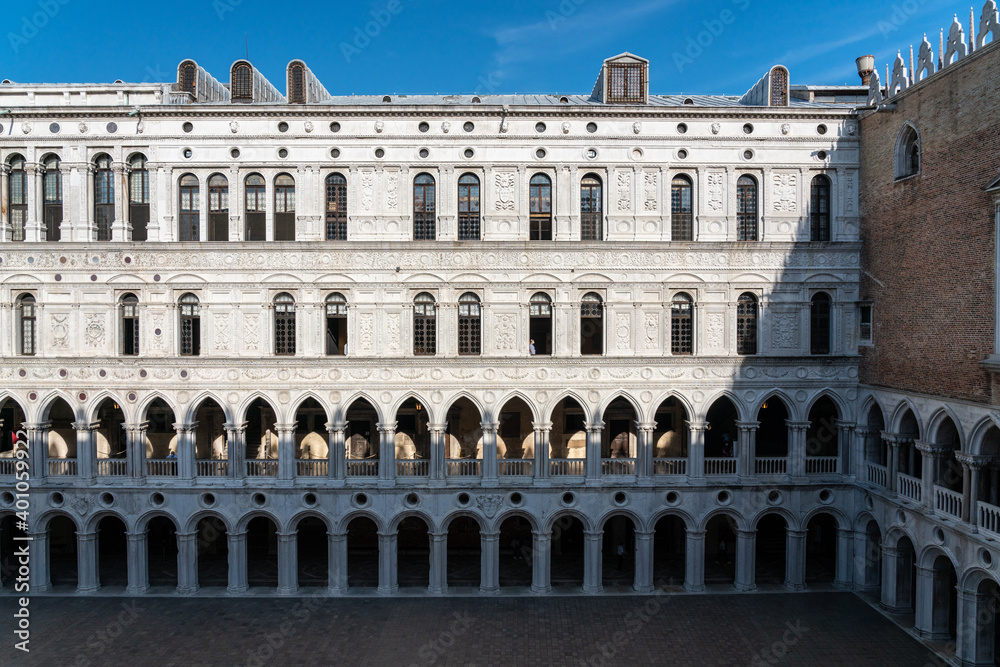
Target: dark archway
{"type": "Point", "coordinates": [823, 438]}
{"type": "Point", "coordinates": [905, 593]}
{"type": "Point", "coordinates": [11, 420]}
{"type": "Point", "coordinates": [362, 553]}
{"type": "Point", "coordinates": [160, 448]}
{"type": "Point", "coordinates": [872, 557]}
{"type": "Point", "coordinates": [211, 447]}
{"type": "Point", "coordinates": [213, 553]}
{"type": "Point", "coordinates": [618, 552]}
{"type": "Point", "coordinates": [669, 552]}
{"type": "Point", "coordinates": [361, 440]}
{"type": "Point", "coordinates": [262, 439]}
{"type": "Point", "coordinates": [516, 552]}
{"type": "Point", "coordinates": [771, 550]}
{"type": "Point", "coordinates": [772, 434]}
{"type": "Point", "coordinates": [516, 439]}
{"type": "Point", "coordinates": [313, 553]}
{"type": "Point", "coordinates": [720, 550]}
{"type": "Point", "coordinates": [987, 626]}
{"type": "Point", "coordinates": [112, 553]}
{"type": "Point", "coordinates": [943, 607]}
{"type": "Point", "coordinates": [463, 440]}
{"type": "Point", "coordinates": [62, 552]}
{"type": "Point", "coordinates": [110, 440]}
{"type": "Point", "coordinates": [465, 553]}
{"type": "Point", "coordinates": [312, 444]}
{"type": "Point", "coordinates": [161, 552]}
{"type": "Point", "coordinates": [568, 551]}
{"type": "Point", "coordinates": [62, 436]}
{"type": "Point", "coordinates": [262, 553]}
{"type": "Point", "coordinates": [568, 438]}
{"type": "Point", "coordinates": [619, 444]}
{"type": "Point", "coordinates": [910, 460]}
{"type": "Point", "coordinates": [8, 561]}
{"type": "Point", "coordinates": [821, 549]}
{"type": "Point", "coordinates": [413, 553]}
{"type": "Point", "coordinates": [670, 438]}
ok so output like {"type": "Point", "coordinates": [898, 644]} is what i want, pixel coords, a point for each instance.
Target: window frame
{"type": "Point", "coordinates": [189, 333]}
{"type": "Point", "coordinates": [218, 207]}
{"type": "Point", "coordinates": [189, 218]}
{"type": "Point", "coordinates": [908, 145]}
{"type": "Point", "coordinates": [27, 344]}
{"type": "Point", "coordinates": [104, 189]}
{"type": "Point", "coordinates": [747, 185]}
{"type": "Point", "coordinates": [284, 207]}
{"type": "Point", "coordinates": [424, 324]}
{"type": "Point", "coordinates": [17, 212]}
{"type": "Point", "coordinates": [591, 195]}
{"type": "Point", "coordinates": [284, 324]}
{"type": "Point", "coordinates": [819, 220]}
{"type": "Point", "coordinates": [677, 233]}
{"type": "Point", "coordinates": [545, 348]}
{"type": "Point", "coordinates": [138, 197]}
{"type": "Point", "coordinates": [596, 339]}
{"type": "Point", "coordinates": [335, 216]}
{"type": "Point", "coordinates": [469, 220]}
{"type": "Point", "coordinates": [869, 340]}
{"type": "Point", "coordinates": [52, 208]}
{"type": "Point", "coordinates": [747, 325]}
{"type": "Point", "coordinates": [242, 88]}
{"type": "Point", "coordinates": [338, 302]}
{"type": "Point", "coordinates": [540, 220]}
{"type": "Point", "coordinates": [470, 325]}
{"type": "Point", "coordinates": [424, 207]}
{"type": "Point", "coordinates": [255, 230]}
{"type": "Point", "coordinates": [128, 309]}
{"type": "Point", "coordinates": [682, 325]}
{"type": "Point", "coordinates": [821, 324]}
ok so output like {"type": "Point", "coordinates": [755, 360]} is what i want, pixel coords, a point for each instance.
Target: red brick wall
{"type": "Point", "coordinates": [928, 241]}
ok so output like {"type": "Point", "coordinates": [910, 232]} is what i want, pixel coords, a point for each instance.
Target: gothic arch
{"type": "Point", "coordinates": [432, 416]}
{"type": "Point", "coordinates": [96, 402]}
{"type": "Point", "coordinates": [506, 398]}
{"type": "Point", "coordinates": [195, 403]}
{"type": "Point", "coordinates": [702, 415]}
{"type": "Point", "coordinates": [550, 407]}
{"type": "Point", "coordinates": [685, 402]}
{"type": "Point", "coordinates": [790, 404]}
{"type": "Point", "coordinates": [341, 409]}
{"type": "Point", "coordinates": [142, 409]}
{"type": "Point", "coordinates": [843, 407]}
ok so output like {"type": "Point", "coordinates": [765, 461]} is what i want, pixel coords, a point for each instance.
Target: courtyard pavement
{"type": "Point", "coordinates": [831, 628]}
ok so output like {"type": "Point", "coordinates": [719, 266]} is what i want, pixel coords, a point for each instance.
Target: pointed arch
{"type": "Point", "coordinates": [94, 404]}
{"type": "Point", "coordinates": [502, 402]}
{"type": "Point", "coordinates": [554, 402]}
{"type": "Point", "coordinates": [900, 413]}
{"type": "Point", "coordinates": [627, 397]}
{"type": "Point", "coordinates": [297, 404]}
{"type": "Point", "coordinates": [49, 401]}
{"type": "Point", "coordinates": [937, 420]}
{"type": "Point", "coordinates": [483, 413]}
{"type": "Point", "coordinates": [195, 404]}
{"type": "Point", "coordinates": [986, 435]}
{"type": "Point", "coordinates": [249, 400]}
{"type": "Point", "coordinates": [341, 409]}
{"type": "Point", "coordinates": [432, 415]}
{"type": "Point", "coordinates": [713, 399]}
{"type": "Point", "coordinates": [843, 407]}
{"type": "Point", "coordinates": [791, 405]}
{"type": "Point", "coordinates": [650, 414]}
{"type": "Point", "coordinates": [142, 407]}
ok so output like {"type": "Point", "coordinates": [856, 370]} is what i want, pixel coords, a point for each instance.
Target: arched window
{"type": "Point", "coordinates": [424, 212]}
{"type": "Point", "coordinates": [189, 207]}
{"type": "Point", "coordinates": [681, 210]}
{"type": "Point", "coordinates": [591, 324]}
{"type": "Point", "coordinates": [907, 160]}
{"type": "Point", "coordinates": [297, 83]}
{"type": "Point", "coordinates": [746, 209]}
{"type": "Point", "coordinates": [469, 324]}
{"type": "Point", "coordinates": [28, 327]}
{"type": "Point", "coordinates": [336, 208]}
{"type": "Point", "coordinates": [186, 77]}
{"type": "Point", "coordinates": [241, 82]}
{"type": "Point", "coordinates": [540, 196]}
{"type": "Point", "coordinates": [53, 199]}
{"type": "Point", "coordinates": [591, 208]}
{"type": "Point", "coordinates": [17, 197]}
{"type": "Point", "coordinates": [424, 325]}
{"type": "Point", "coordinates": [819, 209]}
{"type": "Point", "coordinates": [540, 326]}
{"type": "Point", "coordinates": [129, 307]}
{"type": "Point", "coordinates": [779, 87]}
{"type": "Point", "coordinates": [746, 324]}
{"type": "Point", "coordinates": [218, 208]}
{"type": "Point", "coordinates": [284, 324]}
{"type": "Point", "coordinates": [256, 208]}
{"type": "Point", "coordinates": [138, 198]}
{"type": "Point", "coordinates": [284, 208]}
{"type": "Point", "coordinates": [682, 324]}
{"type": "Point", "coordinates": [190, 325]}
{"type": "Point", "coordinates": [468, 208]}
{"type": "Point", "coordinates": [819, 324]}
{"type": "Point", "coordinates": [104, 197]}
{"type": "Point", "coordinates": [336, 324]}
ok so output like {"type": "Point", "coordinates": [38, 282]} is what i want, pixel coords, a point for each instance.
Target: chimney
{"type": "Point", "coordinates": [866, 67]}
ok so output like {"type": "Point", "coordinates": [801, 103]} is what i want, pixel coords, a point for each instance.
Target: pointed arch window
{"type": "Point", "coordinates": [540, 325]}
{"type": "Point", "coordinates": [591, 324]}
{"type": "Point", "coordinates": [469, 324]}
{"type": "Point", "coordinates": [681, 209]}
{"type": "Point", "coordinates": [540, 198]}
{"type": "Point", "coordinates": [53, 199]}
{"type": "Point", "coordinates": [138, 197]}
{"type": "Point", "coordinates": [336, 208]}
{"type": "Point", "coordinates": [256, 208]}
{"type": "Point", "coordinates": [746, 209]}
{"type": "Point", "coordinates": [424, 211]}
{"type": "Point", "coordinates": [284, 208]}
{"type": "Point", "coordinates": [104, 197]}
{"type": "Point", "coordinates": [242, 82]}
{"type": "Point", "coordinates": [28, 324]}
{"type": "Point", "coordinates": [468, 208]}
{"type": "Point", "coordinates": [187, 77]}
{"type": "Point", "coordinates": [189, 207]}
{"type": "Point", "coordinates": [336, 324]}
{"type": "Point", "coordinates": [819, 324]}
{"type": "Point", "coordinates": [591, 208]}
{"type": "Point", "coordinates": [907, 162]}
{"type": "Point", "coordinates": [218, 208]}
{"type": "Point", "coordinates": [284, 324]}
{"type": "Point", "coordinates": [746, 324]}
{"type": "Point", "coordinates": [682, 325]}
{"type": "Point", "coordinates": [297, 83]}
{"type": "Point", "coordinates": [129, 308]}
{"type": "Point", "coordinates": [424, 325]}
{"type": "Point", "coordinates": [17, 197]}
{"type": "Point", "coordinates": [190, 311]}
{"type": "Point", "coordinates": [819, 209]}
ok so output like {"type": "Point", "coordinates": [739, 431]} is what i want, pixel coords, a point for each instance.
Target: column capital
{"type": "Point", "coordinates": [437, 427]}
{"type": "Point", "coordinates": [798, 426]}
{"type": "Point", "coordinates": [746, 534]}
{"type": "Point", "coordinates": [238, 428]}
{"type": "Point", "coordinates": [334, 427]}
{"type": "Point", "coordinates": [489, 426]}
{"type": "Point", "coordinates": [36, 426]}
{"type": "Point", "coordinates": [973, 461]}
{"type": "Point", "coordinates": [932, 448]}
{"type": "Point", "coordinates": [86, 426]}
{"type": "Point", "coordinates": [136, 428]}
{"type": "Point", "coordinates": [594, 427]}
{"type": "Point", "coordinates": [801, 534]}
{"type": "Point", "coordinates": [747, 426]}
{"type": "Point", "coordinates": [186, 428]}
{"type": "Point", "coordinates": [541, 426]}
{"type": "Point", "coordinates": [697, 426]}
{"type": "Point", "coordinates": [387, 427]}
{"type": "Point", "coordinates": [841, 423]}
{"type": "Point", "coordinates": [646, 426]}
{"type": "Point", "coordinates": [286, 428]}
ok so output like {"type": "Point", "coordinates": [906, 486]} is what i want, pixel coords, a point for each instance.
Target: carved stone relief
{"type": "Point", "coordinates": [785, 331]}
{"type": "Point", "coordinates": [624, 191]}
{"type": "Point", "coordinates": [784, 191]}
{"type": "Point", "coordinates": [715, 192]}
{"type": "Point", "coordinates": [715, 330]}
{"type": "Point", "coordinates": [649, 190]}
{"type": "Point", "coordinates": [504, 191]}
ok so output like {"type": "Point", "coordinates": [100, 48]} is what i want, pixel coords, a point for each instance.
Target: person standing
{"type": "Point", "coordinates": [531, 347]}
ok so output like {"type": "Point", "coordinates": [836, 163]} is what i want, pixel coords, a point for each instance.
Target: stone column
{"type": "Point", "coordinates": [337, 545]}
{"type": "Point", "coordinates": [541, 562]}
{"type": "Point", "coordinates": [135, 435]}
{"type": "Point", "coordinates": [438, 580]}
{"type": "Point", "coordinates": [843, 577]}
{"type": "Point", "coordinates": [387, 581]}
{"type": "Point", "coordinates": [236, 443]}
{"type": "Point", "coordinates": [119, 225]}
{"type": "Point", "coordinates": [286, 453]}
{"type": "Point", "coordinates": [745, 448]}
{"type": "Point", "coordinates": [644, 455]}
{"type": "Point", "coordinates": [38, 449]}
{"type": "Point", "coordinates": [745, 560]}
{"type": "Point", "coordinates": [931, 456]}
{"type": "Point", "coordinates": [138, 564]}
{"type": "Point", "coordinates": [6, 232]}
{"type": "Point", "coordinates": [694, 561]}
{"type": "Point", "coordinates": [593, 561]}
{"type": "Point", "coordinates": [895, 589]}
{"type": "Point", "coordinates": [541, 444]}
{"type": "Point", "coordinates": [88, 579]}
{"type": "Point", "coordinates": [237, 563]}
{"type": "Point", "coordinates": [437, 432]}
{"type": "Point", "coordinates": [845, 445]}
{"type": "Point", "coordinates": [85, 450]}
{"type": "Point", "coordinates": [187, 563]}
{"type": "Point", "coordinates": [932, 610]}
{"type": "Point", "coordinates": [39, 578]}
{"type": "Point", "coordinates": [387, 454]}
{"type": "Point", "coordinates": [593, 463]}
{"type": "Point", "coordinates": [87, 226]}
{"type": "Point", "coordinates": [795, 559]}
{"type": "Point", "coordinates": [33, 231]}
{"type": "Point", "coordinates": [490, 465]}
{"type": "Point", "coordinates": [972, 465]}
{"type": "Point", "coordinates": [974, 628]}
{"type": "Point", "coordinates": [891, 465]}
{"type": "Point", "coordinates": [186, 454]}
{"type": "Point", "coordinates": [288, 563]}
{"type": "Point", "coordinates": [489, 574]}
{"type": "Point", "coordinates": [337, 452]}
{"type": "Point", "coordinates": [643, 562]}
{"type": "Point", "coordinates": [696, 452]}
{"type": "Point", "coordinates": [797, 449]}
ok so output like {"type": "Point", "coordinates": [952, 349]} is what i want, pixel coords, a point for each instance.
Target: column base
{"type": "Point", "coordinates": [895, 610]}
{"type": "Point", "coordinates": [287, 590]}
{"type": "Point", "coordinates": [592, 589]}
{"type": "Point", "coordinates": [187, 590]}
{"type": "Point", "coordinates": [387, 590]}
{"type": "Point", "coordinates": [237, 590]}
{"type": "Point", "coordinates": [88, 590]}
{"type": "Point", "coordinates": [137, 590]}
{"type": "Point", "coordinates": [437, 590]}
{"type": "Point", "coordinates": [644, 589]}
{"type": "Point", "coordinates": [694, 588]}
{"type": "Point", "coordinates": [45, 588]}
{"type": "Point", "coordinates": [933, 636]}
{"type": "Point", "coordinates": [794, 587]}
{"type": "Point", "coordinates": [541, 590]}
{"type": "Point", "coordinates": [745, 588]}
{"type": "Point", "coordinates": [495, 590]}
{"type": "Point", "coordinates": [337, 590]}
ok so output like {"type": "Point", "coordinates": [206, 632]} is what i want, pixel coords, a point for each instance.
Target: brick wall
{"type": "Point", "coordinates": [929, 240]}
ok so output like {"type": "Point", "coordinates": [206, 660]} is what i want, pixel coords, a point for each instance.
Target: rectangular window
{"type": "Point", "coordinates": [865, 324]}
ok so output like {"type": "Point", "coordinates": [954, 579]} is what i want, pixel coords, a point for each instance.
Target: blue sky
{"type": "Point", "coordinates": [442, 46]}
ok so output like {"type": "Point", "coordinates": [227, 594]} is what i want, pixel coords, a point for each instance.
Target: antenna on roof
{"type": "Point", "coordinates": [246, 42]}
